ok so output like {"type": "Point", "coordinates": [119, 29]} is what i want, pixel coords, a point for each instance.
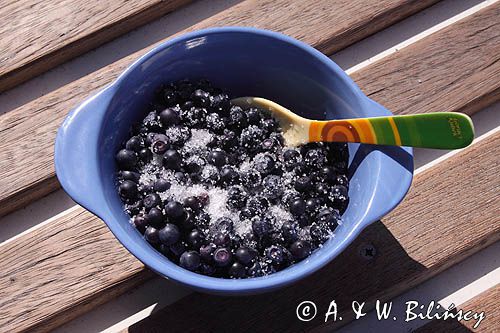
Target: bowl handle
{"type": "Point", "coordinates": [76, 152]}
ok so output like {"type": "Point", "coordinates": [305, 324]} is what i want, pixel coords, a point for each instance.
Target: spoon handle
{"type": "Point", "coordinates": [442, 130]}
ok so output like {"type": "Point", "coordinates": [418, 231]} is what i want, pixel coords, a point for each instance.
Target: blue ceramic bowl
{"type": "Point", "coordinates": [247, 62]}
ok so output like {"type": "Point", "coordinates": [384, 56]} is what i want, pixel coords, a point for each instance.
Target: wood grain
{"type": "Point", "coordinates": [27, 133]}
{"type": "Point", "coordinates": [74, 255]}
{"type": "Point", "coordinates": [407, 251]}
{"type": "Point", "coordinates": [487, 301]}
{"type": "Point", "coordinates": [435, 227]}
{"type": "Point", "coordinates": [458, 69]}
{"type": "Point", "coordinates": [43, 34]}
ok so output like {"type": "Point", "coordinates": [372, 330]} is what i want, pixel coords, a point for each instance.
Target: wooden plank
{"type": "Point", "coordinates": [435, 227]}
{"type": "Point", "coordinates": [32, 279]}
{"type": "Point", "coordinates": [487, 301]}
{"type": "Point", "coordinates": [451, 249]}
{"type": "Point", "coordinates": [27, 133]}
{"type": "Point", "coordinates": [43, 34]}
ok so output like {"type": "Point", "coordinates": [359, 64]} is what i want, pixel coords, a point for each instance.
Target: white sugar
{"type": "Point", "coordinates": [280, 215]}
{"type": "Point", "coordinates": [199, 140]}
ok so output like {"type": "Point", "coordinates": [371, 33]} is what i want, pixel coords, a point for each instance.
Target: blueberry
{"type": "Point", "coordinates": [152, 236]}
{"type": "Point", "coordinates": [170, 117]}
{"type": "Point", "coordinates": [273, 187]}
{"type": "Point", "coordinates": [201, 98]}
{"type": "Point", "coordinates": [251, 138]}
{"type": "Point", "coordinates": [174, 210]}
{"type": "Point", "coordinates": [264, 163]}
{"type": "Point", "coordinates": [217, 157]}
{"type": "Point", "coordinates": [257, 204]}
{"type": "Point", "coordinates": [289, 232]}
{"type": "Point", "coordinates": [255, 269]}
{"type": "Point", "coordinates": [269, 125]}
{"type": "Point", "coordinates": [169, 97]}
{"type": "Point", "coordinates": [161, 185]}
{"type": "Point", "coordinates": [300, 249]}
{"type": "Point", "coordinates": [172, 159]}
{"type": "Point", "coordinates": [229, 141]}
{"type": "Point", "coordinates": [261, 226]}
{"type": "Point", "coordinates": [190, 260]}
{"type": "Point", "coordinates": [237, 197]}
{"type": "Point", "coordinates": [221, 104]}
{"type": "Point", "coordinates": [276, 254]}
{"type": "Point", "coordinates": [251, 179]}
{"type": "Point", "coordinates": [134, 144]}
{"type": "Point", "coordinates": [169, 234]}
{"type": "Point", "coordinates": [140, 222]}
{"type": "Point", "coordinates": [319, 233]}
{"type": "Point", "coordinates": [245, 255]}
{"type": "Point", "coordinates": [151, 200]}
{"type": "Point", "coordinates": [237, 270]}
{"type": "Point", "coordinates": [228, 175]}
{"type": "Point", "coordinates": [145, 155]}
{"type": "Point", "coordinates": [342, 180]}
{"type": "Point", "coordinates": [222, 257]}
{"type": "Point", "coordinates": [215, 123]}
{"type": "Point", "coordinates": [329, 174]}
{"type": "Point", "coordinates": [329, 217]}
{"type": "Point", "coordinates": [134, 207]}
{"type": "Point", "coordinates": [224, 225]}
{"type": "Point", "coordinates": [188, 220]}
{"type": "Point", "coordinates": [193, 203]}
{"type": "Point", "coordinates": [311, 206]}
{"type": "Point", "coordinates": [206, 251]}
{"type": "Point", "coordinates": [126, 159]}
{"type": "Point", "coordinates": [253, 116]}
{"type": "Point", "coordinates": [315, 158]}
{"type": "Point", "coordinates": [322, 189]}
{"type": "Point", "coordinates": [155, 217]}
{"type": "Point", "coordinates": [195, 117]}
{"type": "Point", "coordinates": [177, 249]}
{"type": "Point", "coordinates": [303, 184]}
{"type": "Point", "coordinates": [207, 269]}
{"type": "Point", "coordinates": [128, 189]}
{"type": "Point", "coordinates": [222, 239]}
{"type": "Point", "coordinates": [180, 176]}
{"type": "Point", "coordinates": [195, 238]}
{"type": "Point", "coordinates": [269, 144]}
{"type": "Point", "coordinates": [291, 156]}
{"type": "Point", "coordinates": [204, 198]}
{"type": "Point", "coordinates": [237, 117]}
{"type": "Point", "coordinates": [297, 207]}
{"type": "Point", "coordinates": [159, 147]}
{"type": "Point", "coordinates": [130, 175]}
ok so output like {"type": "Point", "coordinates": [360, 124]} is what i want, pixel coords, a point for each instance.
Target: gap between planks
{"type": "Point", "coordinates": [28, 174]}
{"type": "Point", "coordinates": [486, 302]}
{"type": "Point", "coordinates": [459, 254]}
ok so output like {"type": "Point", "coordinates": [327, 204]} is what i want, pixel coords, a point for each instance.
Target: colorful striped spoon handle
{"type": "Point", "coordinates": [442, 130]}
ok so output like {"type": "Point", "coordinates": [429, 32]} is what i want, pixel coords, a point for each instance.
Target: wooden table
{"type": "Point", "coordinates": [69, 263]}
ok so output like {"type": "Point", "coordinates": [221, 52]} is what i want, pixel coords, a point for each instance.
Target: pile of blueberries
{"type": "Point", "coordinates": [309, 182]}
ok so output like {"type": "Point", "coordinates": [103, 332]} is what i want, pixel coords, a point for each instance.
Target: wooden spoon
{"type": "Point", "coordinates": [442, 130]}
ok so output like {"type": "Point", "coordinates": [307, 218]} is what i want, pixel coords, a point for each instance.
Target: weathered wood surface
{"type": "Point", "coordinates": [75, 256]}
{"type": "Point", "coordinates": [459, 69]}
{"type": "Point", "coordinates": [38, 35]}
{"type": "Point", "coordinates": [27, 133]}
{"type": "Point", "coordinates": [488, 301]}
{"type": "Point", "coordinates": [400, 237]}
